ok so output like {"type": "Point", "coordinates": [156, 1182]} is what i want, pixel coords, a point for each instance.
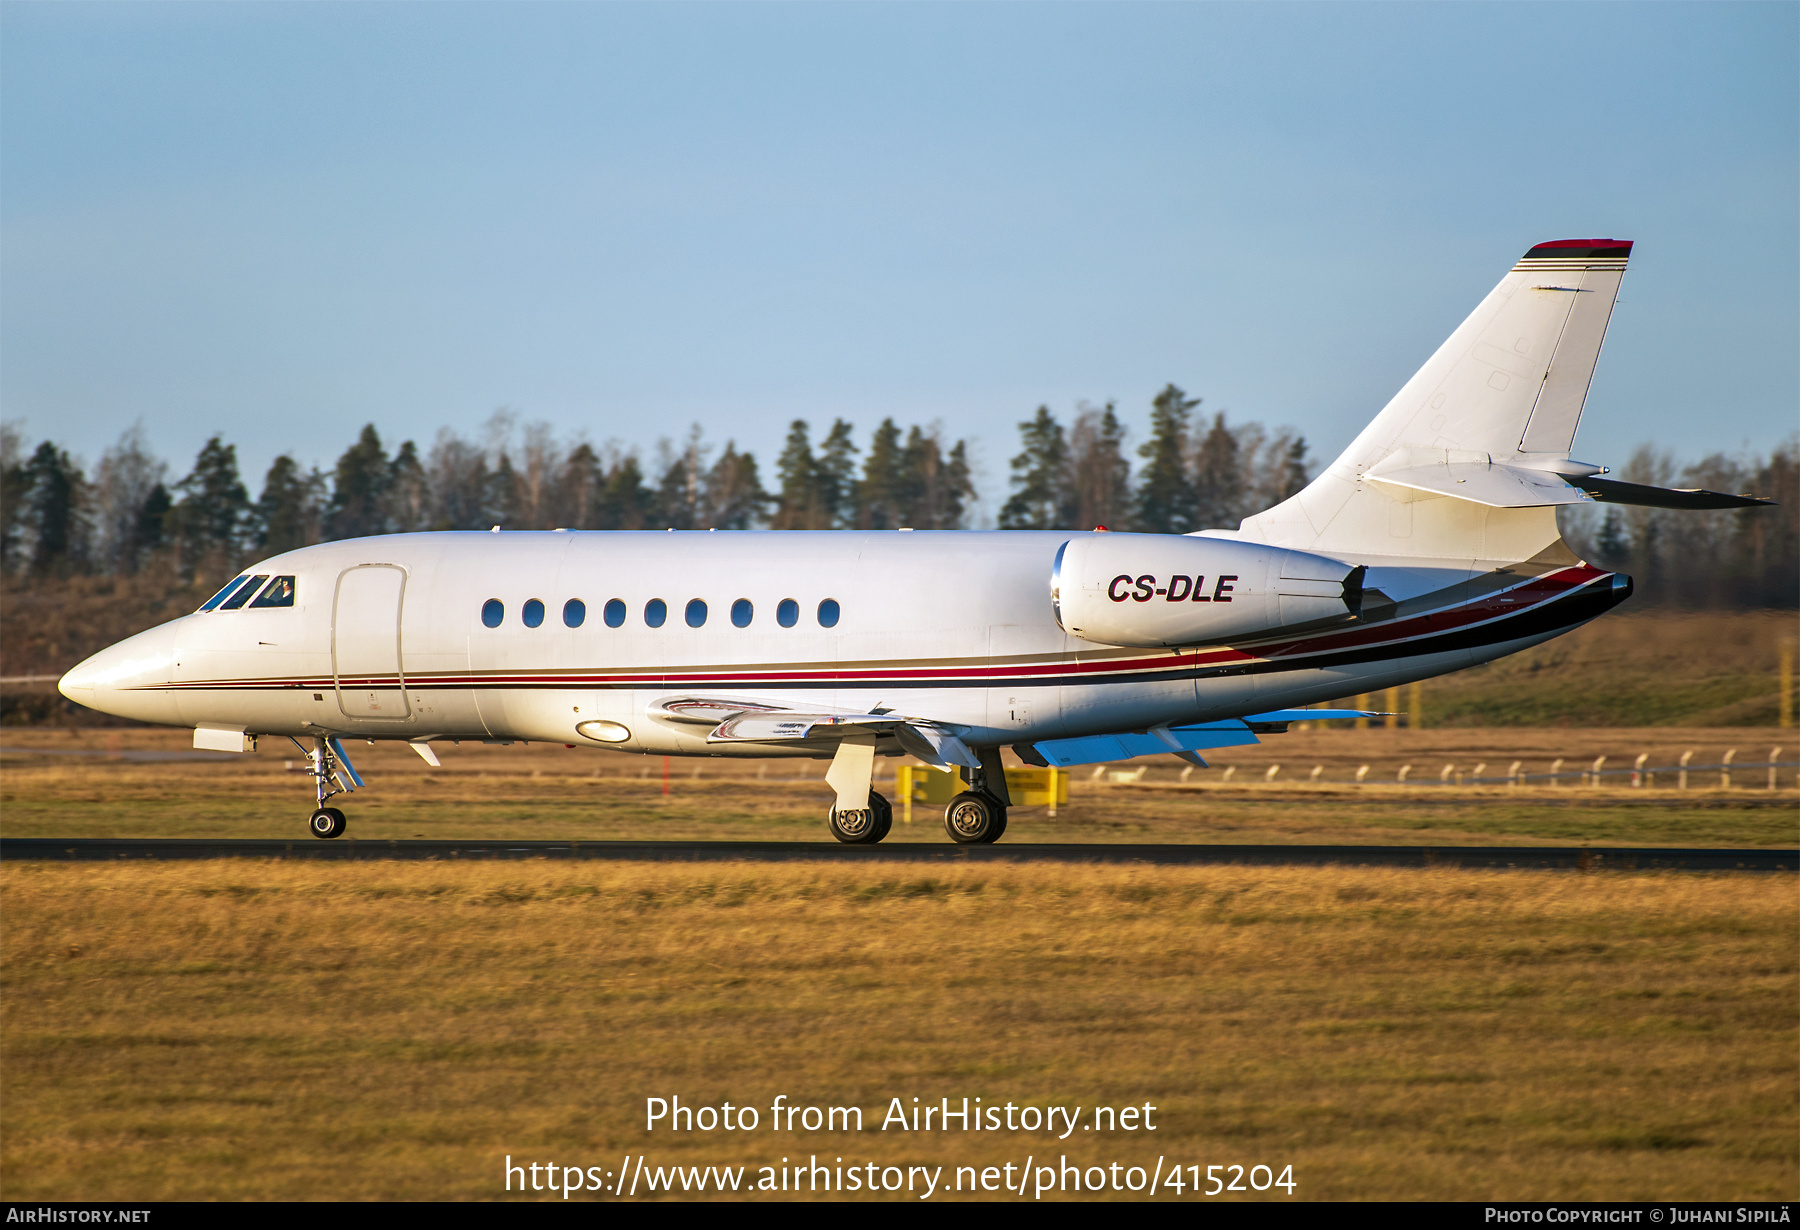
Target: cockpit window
{"type": "Point", "coordinates": [220, 596]}
{"type": "Point", "coordinates": [279, 593]}
{"type": "Point", "coordinates": [243, 594]}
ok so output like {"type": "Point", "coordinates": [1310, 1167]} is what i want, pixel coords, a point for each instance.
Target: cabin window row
{"type": "Point", "coordinates": [239, 591]}
{"type": "Point", "coordinates": [656, 613]}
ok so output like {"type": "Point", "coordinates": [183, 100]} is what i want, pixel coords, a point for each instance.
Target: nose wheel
{"type": "Point", "coordinates": [863, 826]}
{"type": "Point", "coordinates": [332, 773]}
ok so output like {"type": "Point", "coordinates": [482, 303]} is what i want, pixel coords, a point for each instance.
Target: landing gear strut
{"type": "Point", "coordinates": [332, 773]}
{"type": "Point", "coordinates": [863, 826]}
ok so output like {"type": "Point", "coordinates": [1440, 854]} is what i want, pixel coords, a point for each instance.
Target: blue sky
{"type": "Point", "coordinates": [281, 221]}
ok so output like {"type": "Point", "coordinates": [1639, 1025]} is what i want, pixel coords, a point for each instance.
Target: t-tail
{"type": "Point", "coordinates": [1471, 459]}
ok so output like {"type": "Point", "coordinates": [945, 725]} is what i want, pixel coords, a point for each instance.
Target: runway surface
{"type": "Point", "coordinates": [1626, 858]}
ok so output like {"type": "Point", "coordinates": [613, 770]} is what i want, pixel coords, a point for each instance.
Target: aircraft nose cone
{"type": "Point", "coordinates": [127, 679]}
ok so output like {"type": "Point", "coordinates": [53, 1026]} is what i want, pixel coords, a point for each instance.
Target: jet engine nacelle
{"type": "Point", "coordinates": [1150, 590]}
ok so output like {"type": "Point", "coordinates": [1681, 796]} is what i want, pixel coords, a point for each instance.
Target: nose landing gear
{"type": "Point", "coordinates": [332, 774]}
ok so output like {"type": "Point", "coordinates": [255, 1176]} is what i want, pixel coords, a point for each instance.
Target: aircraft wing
{"type": "Point", "coordinates": [740, 720]}
{"type": "Point", "coordinates": [1184, 741]}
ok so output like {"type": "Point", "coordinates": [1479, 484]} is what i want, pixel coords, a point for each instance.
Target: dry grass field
{"type": "Point", "coordinates": [265, 1030]}
{"type": "Point", "coordinates": [81, 783]}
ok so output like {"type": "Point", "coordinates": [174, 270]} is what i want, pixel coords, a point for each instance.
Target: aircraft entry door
{"type": "Point", "coordinates": [365, 643]}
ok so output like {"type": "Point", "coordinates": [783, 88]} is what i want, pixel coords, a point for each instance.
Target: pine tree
{"type": "Point", "coordinates": [359, 489]}
{"type": "Point", "coordinates": [1611, 545]}
{"type": "Point", "coordinates": [801, 502]}
{"type": "Point", "coordinates": [957, 489]}
{"type": "Point", "coordinates": [1767, 540]}
{"type": "Point", "coordinates": [629, 503]}
{"type": "Point", "coordinates": [680, 496]}
{"type": "Point", "coordinates": [502, 501]}
{"type": "Point", "coordinates": [14, 487]}
{"type": "Point", "coordinates": [1166, 498]}
{"type": "Point", "coordinates": [1219, 465]}
{"type": "Point", "coordinates": [735, 499]}
{"type": "Point", "coordinates": [213, 515]}
{"type": "Point", "coordinates": [881, 495]}
{"type": "Point", "coordinates": [581, 489]}
{"type": "Point", "coordinates": [931, 487]}
{"type": "Point", "coordinates": [408, 500]}
{"type": "Point", "coordinates": [1295, 470]}
{"type": "Point", "coordinates": [1101, 475]}
{"type": "Point", "coordinates": [290, 512]}
{"type": "Point", "coordinates": [836, 471]}
{"type": "Point", "coordinates": [152, 528]}
{"type": "Point", "coordinates": [55, 512]}
{"type": "Point", "coordinates": [1044, 495]}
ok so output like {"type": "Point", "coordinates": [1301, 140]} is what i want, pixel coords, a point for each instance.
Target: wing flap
{"type": "Point", "coordinates": [1158, 741]}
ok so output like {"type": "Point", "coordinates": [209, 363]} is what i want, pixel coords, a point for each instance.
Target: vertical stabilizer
{"type": "Point", "coordinates": [1506, 389]}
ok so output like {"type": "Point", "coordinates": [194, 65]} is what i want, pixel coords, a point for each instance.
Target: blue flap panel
{"type": "Point", "coordinates": [1099, 749]}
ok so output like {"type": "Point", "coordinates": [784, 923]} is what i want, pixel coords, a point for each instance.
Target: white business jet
{"type": "Point", "coordinates": [1429, 545]}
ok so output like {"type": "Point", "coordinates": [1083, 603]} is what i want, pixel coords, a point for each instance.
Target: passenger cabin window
{"type": "Point", "coordinates": [696, 613]}
{"type": "Point", "coordinates": [742, 613]}
{"type": "Point", "coordinates": [219, 597]}
{"type": "Point", "coordinates": [243, 594]}
{"type": "Point", "coordinates": [614, 613]}
{"type": "Point", "coordinates": [532, 613]}
{"type": "Point", "coordinates": [655, 612]}
{"type": "Point", "coordinates": [828, 613]}
{"type": "Point", "coordinates": [787, 613]}
{"type": "Point", "coordinates": [279, 593]}
{"type": "Point", "coordinates": [574, 613]}
{"type": "Point", "coordinates": [493, 611]}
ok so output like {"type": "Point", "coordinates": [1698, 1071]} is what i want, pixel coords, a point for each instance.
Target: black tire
{"type": "Point", "coordinates": [1000, 828]}
{"type": "Point", "coordinates": [884, 815]}
{"type": "Point", "coordinates": [327, 822]}
{"type": "Point", "coordinates": [860, 826]}
{"type": "Point", "coordinates": [974, 819]}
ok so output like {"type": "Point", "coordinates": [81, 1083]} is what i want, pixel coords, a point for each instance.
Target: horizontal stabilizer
{"type": "Point", "coordinates": [1314, 715]}
{"type": "Point", "coordinates": [1612, 491]}
{"type": "Point", "coordinates": [1481, 482]}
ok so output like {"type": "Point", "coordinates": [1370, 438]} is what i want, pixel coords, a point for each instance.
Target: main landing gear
{"type": "Point", "coordinates": [332, 774]}
{"type": "Point", "coordinates": [975, 818]}
{"type": "Point", "coordinates": [862, 826]}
